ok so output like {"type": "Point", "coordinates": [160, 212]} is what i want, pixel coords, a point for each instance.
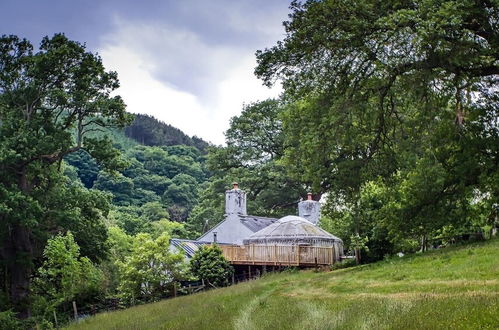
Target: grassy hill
{"type": "Point", "coordinates": [454, 288]}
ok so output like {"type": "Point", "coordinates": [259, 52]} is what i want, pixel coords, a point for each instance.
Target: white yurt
{"type": "Point", "coordinates": [295, 230]}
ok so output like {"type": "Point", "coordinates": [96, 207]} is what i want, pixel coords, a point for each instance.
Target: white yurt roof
{"type": "Point", "coordinates": [291, 229]}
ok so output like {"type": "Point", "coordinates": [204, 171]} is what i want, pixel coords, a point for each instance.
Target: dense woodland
{"type": "Point", "coordinates": [389, 113]}
{"type": "Point", "coordinates": [149, 131]}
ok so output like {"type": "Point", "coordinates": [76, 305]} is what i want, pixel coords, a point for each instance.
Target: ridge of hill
{"type": "Point", "coordinates": [453, 288]}
{"type": "Point", "coordinates": [150, 131]}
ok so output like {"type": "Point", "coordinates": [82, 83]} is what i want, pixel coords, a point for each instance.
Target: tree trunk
{"type": "Point", "coordinates": [357, 256]}
{"type": "Point", "coordinates": [18, 254]}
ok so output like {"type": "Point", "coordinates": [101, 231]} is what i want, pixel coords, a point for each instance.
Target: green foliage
{"type": "Point", "coordinates": [252, 158]}
{"type": "Point", "coordinates": [358, 242]}
{"type": "Point", "coordinates": [8, 321]}
{"type": "Point", "coordinates": [151, 132]}
{"type": "Point", "coordinates": [209, 264]}
{"type": "Point", "coordinates": [64, 276]}
{"type": "Point", "coordinates": [151, 270]}
{"type": "Point", "coordinates": [171, 174]}
{"type": "Point", "coordinates": [49, 101]}
{"type": "Point", "coordinates": [256, 135]}
{"type": "Point", "coordinates": [152, 182]}
{"type": "Point", "coordinates": [210, 210]}
{"type": "Point", "coordinates": [420, 127]}
{"type": "Point", "coordinates": [346, 263]}
{"type": "Point", "coordinates": [181, 194]}
{"type": "Point", "coordinates": [120, 245]}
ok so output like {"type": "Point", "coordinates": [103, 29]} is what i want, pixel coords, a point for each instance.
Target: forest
{"type": "Point", "coordinates": [389, 114]}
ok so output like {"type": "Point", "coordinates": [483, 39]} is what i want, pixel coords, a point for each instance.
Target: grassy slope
{"type": "Point", "coordinates": [455, 288]}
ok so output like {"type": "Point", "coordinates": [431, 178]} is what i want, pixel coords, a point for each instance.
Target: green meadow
{"type": "Point", "coordinates": [453, 288]}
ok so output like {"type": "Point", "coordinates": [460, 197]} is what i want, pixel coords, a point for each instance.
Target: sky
{"type": "Point", "coordinates": [188, 63]}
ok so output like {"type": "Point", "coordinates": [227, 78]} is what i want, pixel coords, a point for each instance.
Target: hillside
{"type": "Point", "coordinates": [454, 288]}
{"type": "Point", "coordinates": [150, 131]}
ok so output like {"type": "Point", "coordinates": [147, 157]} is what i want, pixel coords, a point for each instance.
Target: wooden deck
{"type": "Point", "coordinates": [278, 255]}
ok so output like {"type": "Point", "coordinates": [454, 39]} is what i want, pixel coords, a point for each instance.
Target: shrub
{"type": "Point", "coordinates": [209, 264]}
{"type": "Point", "coordinates": [345, 263]}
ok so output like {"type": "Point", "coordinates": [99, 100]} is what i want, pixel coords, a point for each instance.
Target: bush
{"type": "Point", "coordinates": [9, 321]}
{"type": "Point", "coordinates": [345, 263]}
{"type": "Point", "coordinates": [209, 264]}
{"type": "Point", "coordinates": [150, 271]}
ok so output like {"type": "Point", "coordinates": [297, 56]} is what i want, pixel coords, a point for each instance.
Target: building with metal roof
{"type": "Point", "coordinates": [239, 228]}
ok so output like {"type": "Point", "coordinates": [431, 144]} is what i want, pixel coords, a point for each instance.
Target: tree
{"type": "Point", "coordinates": [256, 135]}
{"type": "Point", "coordinates": [209, 264]}
{"type": "Point", "coordinates": [87, 167]}
{"type": "Point", "coordinates": [151, 270]}
{"type": "Point", "coordinates": [49, 101]}
{"type": "Point", "coordinates": [253, 158]}
{"type": "Point", "coordinates": [181, 196]}
{"type": "Point", "coordinates": [152, 132]}
{"type": "Point", "coordinates": [65, 276]}
{"type": "Point", "coordinates": [392, 91]}
{"type": "Point", "coordinates": [120, 246]}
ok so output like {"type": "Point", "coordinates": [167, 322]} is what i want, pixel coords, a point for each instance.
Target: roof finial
{"type": "Point", "coordinates": [309, 196]}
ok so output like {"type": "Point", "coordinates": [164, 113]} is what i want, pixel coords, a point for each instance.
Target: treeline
{"type": "Point", "coordinates": [170, 176]}
{"type": "Point", "coordinates": [149, 131]}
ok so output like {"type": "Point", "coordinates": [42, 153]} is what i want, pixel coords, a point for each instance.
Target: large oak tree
{"type": "Point", "coordinates": [403, 90]}
{"type": "Point", "coordinates": [50, 100]}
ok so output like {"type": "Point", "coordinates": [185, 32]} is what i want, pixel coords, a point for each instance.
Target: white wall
{"type": "Point", "coordinates": [231, 231]}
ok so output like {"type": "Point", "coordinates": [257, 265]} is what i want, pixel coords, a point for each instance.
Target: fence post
{"type": "Point", "coordinates": [174, 289]}
{"type": "Point", "coordinates": [75, 310]}
{"type": "Point", "coordinates": [55, 319]}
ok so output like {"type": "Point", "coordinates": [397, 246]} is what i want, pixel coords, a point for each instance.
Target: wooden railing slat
{"type": "Point", "coordinates": [279, 254]}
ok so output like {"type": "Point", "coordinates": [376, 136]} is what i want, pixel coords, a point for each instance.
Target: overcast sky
{"type": "Point", "coordinates": [189, 63]}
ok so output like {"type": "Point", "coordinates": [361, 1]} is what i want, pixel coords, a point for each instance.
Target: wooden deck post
{"type": "Point", "coordinates": [253, 253]}
{"type": "Point", "coordinates": [298, 255]}
{"type": "Point", "coordinates": [275, 254]}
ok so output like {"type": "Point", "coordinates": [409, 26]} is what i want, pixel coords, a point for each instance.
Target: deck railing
{"type": "Point", "coordinates": [283, 255]}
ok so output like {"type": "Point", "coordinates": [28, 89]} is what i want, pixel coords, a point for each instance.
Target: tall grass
{"type": "Point", "coordinates": [455, 288]}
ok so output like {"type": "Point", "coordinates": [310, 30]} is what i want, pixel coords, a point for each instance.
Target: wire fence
{"type": "Point", "coordinates": [72, 312]}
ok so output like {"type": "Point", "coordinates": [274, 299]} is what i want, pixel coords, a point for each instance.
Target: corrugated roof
{"type": "Point", "coordinates": [256, 223]}
{"type": "Point", "coordinates": [188, 246]}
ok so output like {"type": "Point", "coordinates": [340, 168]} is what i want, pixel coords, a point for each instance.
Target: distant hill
{"type": "Point", "coordinates": [453, 288]}
{"type": "Point", "coordinates": [149, 131]}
